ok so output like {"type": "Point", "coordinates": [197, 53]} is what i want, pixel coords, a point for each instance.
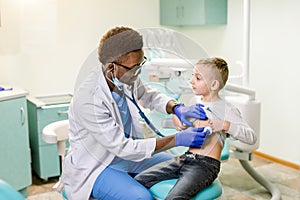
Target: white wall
{"type": "Point", "coordinates": [43, 43]}
{"type": "Point", "coordinates": [275, 71]}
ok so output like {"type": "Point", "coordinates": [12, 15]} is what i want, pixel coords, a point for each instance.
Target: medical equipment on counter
{"type": "Point", "coordinates": [5, 89]}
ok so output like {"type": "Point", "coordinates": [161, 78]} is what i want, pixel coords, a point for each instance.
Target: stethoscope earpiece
{"type": "Point", "coordinates": [111, 67]}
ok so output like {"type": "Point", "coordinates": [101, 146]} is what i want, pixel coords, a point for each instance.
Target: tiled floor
{"type": "Point", "coordinates": [42, 190]}
{"type": "Point", "coordinates": [237, 184]}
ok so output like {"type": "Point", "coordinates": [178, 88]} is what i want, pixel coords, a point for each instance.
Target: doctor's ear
{"type": "Point", "coordinates": [110, 67]}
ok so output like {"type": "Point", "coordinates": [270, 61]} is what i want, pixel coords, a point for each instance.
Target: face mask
{"type": "Point", "coordinates": [117, 83]}
{"type": "Point", "coordinates": [115, 80]}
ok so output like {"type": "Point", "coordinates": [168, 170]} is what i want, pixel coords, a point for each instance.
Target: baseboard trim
{"type": "Point", "coordinates": [277, 160]}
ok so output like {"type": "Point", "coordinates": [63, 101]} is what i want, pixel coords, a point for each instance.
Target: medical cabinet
{"type": "Point", "coordinates": [193, 12]}
{"type": "Point", "coordinates": [14, 142]}
{"type": "Point", "coordinates": [43, 110]}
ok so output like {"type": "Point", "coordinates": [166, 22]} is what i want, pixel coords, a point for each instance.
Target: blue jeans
{"type": "Point", "coordinates": [194, 172]}
{"type": "Point", "coordinates": [115, 181]}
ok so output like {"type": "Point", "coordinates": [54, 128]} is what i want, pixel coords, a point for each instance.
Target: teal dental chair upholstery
{"type": "Point", "coordinates": [8, 192]}
{"type": "Point", "coordinates": [160, 190]}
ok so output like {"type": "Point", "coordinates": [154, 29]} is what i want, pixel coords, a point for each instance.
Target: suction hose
{"type": "Point", "coordinates": [270, 187]}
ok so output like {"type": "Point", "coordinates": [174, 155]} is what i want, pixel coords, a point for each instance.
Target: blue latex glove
{"type": "Point", "coordinates": [184, 113]}
{"type": "Point", "coordinates": [191, 137]}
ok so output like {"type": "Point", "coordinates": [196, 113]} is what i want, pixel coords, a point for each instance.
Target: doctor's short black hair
{"type": "Point", "coordinates": [118, 42]}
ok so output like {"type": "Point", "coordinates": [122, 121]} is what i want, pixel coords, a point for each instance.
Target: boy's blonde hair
{"type": "Point", "coordinates": [220, 65]}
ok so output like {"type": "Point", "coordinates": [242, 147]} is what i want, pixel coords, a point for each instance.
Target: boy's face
{"type": "Point", "coordinates": [201, 80]}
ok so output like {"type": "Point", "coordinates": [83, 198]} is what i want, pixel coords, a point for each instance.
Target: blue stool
{"type": "Point", "coordinates": [8, 192]}
{"type": "Point", "coordinates": [160, 190]}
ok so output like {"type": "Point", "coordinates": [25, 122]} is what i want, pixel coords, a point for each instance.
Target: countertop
{"type": "Point", "coordinates": [12, 94]}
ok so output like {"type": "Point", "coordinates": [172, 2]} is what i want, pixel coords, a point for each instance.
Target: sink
{"type": "Point", "coordinates": [57, 132]}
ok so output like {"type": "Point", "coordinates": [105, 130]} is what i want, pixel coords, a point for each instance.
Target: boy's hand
{"type": "Point", "coordinates": [220, 125]}
{"type": "Point", "coordinates": [202, 123]}
{"type": "Point", "coordinates": [178, 124]}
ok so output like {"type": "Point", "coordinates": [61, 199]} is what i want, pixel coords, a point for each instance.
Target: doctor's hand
{"type": "Point", "coordinates": [184, 113]}
{"type": "Point", "coordinates": [191, 137]}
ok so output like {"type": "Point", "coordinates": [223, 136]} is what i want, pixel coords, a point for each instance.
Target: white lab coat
{"type": "Point", "coordinates": [96, 132]}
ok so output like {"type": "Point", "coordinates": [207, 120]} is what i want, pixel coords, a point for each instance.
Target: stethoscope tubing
{"type": "Point", "coordinates": [142, 114]}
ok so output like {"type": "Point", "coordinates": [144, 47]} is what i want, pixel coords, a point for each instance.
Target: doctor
{"type": "Point", "coordinates": [106, 139]}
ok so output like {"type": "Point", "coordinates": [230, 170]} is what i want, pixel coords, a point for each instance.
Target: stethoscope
{"type": "Point", "coordinates": [142, 114]}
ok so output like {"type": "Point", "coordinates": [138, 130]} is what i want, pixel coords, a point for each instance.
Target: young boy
{"type": "Point", "coordinates": [198, 168]}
